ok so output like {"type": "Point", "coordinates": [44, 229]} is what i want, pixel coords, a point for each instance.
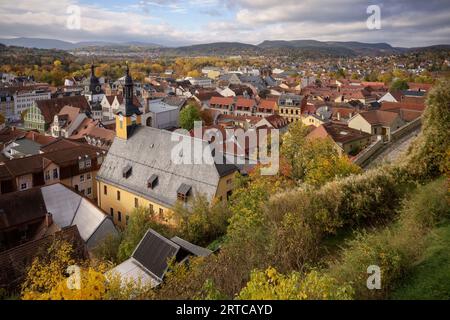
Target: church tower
{"type": "Point", "coordinates": [94, 90]}
{"type": "Point", "coordinates": [130, 119]}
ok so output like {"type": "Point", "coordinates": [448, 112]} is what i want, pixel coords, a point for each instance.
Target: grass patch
{"type": "Point", "coordinates": [430, 278]}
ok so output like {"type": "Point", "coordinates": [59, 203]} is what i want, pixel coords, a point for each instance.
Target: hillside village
{"type": "Point", "coordinates": [90, 163]}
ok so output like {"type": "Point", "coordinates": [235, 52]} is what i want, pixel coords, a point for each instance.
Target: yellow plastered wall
{"type": "Point", "coordinates": [126, 204]}
{"type": "Point", "coordinates": [225, 185]}
{"type": "Point", "coordinates": [122, 123]}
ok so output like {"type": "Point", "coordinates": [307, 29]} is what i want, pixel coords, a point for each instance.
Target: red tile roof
{"type": "Point", "coordinates": [277, 121]}
{"type": "Point", "coordinates": [419, 86]}
{"type": "Point", "coordinates": [49, 108]}
{"type": "Point", "coordinates": [246, 103]}
{"type": "Point", "coordinates": [221, 101]}
{"type": "Point", "coordinates": [340, 133]}
{"type": "Point", "coordinates": [268, 104]}
{"type": "Point", "coordinates": [376, 117]}
{"type": "Point", "coordinates": [385, 105]}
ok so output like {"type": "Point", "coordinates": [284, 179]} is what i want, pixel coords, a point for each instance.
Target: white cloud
{"type": "Point", "coordinates": [404, 22]}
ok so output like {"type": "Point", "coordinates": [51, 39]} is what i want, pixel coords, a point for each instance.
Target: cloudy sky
{"type": "Point", "coordinates": [405, 23]}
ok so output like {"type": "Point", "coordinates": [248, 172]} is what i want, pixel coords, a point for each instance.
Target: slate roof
{"type": "Point", "coordinates": [149, 151]}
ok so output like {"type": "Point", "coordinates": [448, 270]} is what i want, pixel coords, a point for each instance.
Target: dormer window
{"type": "Point", "coordinates": [183, 192]}
{"type": "Point", "coordinates": [127, 171]}
{"type": "Point", "coordinates": [152, 181]}
{"type": "Point", "coordinates": [88, 162]}
{"type": "Point", "coordinates": [81, 163]}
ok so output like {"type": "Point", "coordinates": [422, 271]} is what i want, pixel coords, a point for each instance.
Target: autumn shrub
{"type": "Point", "coordinates": [394, 248]}
{"type": "Point", "coordinates": [299, 220]}
{"type": "Point", "coordinates": [272, 285]}
{"type": "Point", "coordinates": [201, 222]}
{"type": "Point", "coordinates": [140, 221]}
{"type": "Point", "coordinates": [108, 248]}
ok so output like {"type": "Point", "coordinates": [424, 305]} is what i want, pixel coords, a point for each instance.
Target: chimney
{"type": "Point", "coordinates": [48, 219]}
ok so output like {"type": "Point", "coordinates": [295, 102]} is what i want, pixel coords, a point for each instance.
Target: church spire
{"type": "Point", "coordinates": [127, 122]}
{"type": "Point", "coordinates": [128, 92]}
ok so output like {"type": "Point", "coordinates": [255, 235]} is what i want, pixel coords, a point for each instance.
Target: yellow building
{"type": "Point", "coordinates": [152, 168]}
{"type": "Point", "coordinates": [313, 120]}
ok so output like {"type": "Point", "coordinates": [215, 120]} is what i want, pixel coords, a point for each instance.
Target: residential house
{"type": "Point", "coordinates": [407, 111]}
{"type": "Point", "coordinates": [73, 164]}
{"type": "Point", "coordinates": [18, 143]}
{"type": "Point", "coordinates": [266, 108]}
{"type": "Point", "coordinates": [377, 122]}
{"type": "Point", "coordinates": [274, 121]}
{"type": "Point", "coordinates": [15, 100]}
{"type": "Point", "coordinates": [42, 211]}
{"type": "Point", "coordinates": [201, 82]}
{"type": "Point", "coordinates": [244, 107]}
{"type": "Point", "coordinates": [346, 140]}
{"type": "Point", "coordinates": [67, 121]}
{"type": "Point", "coordinates": [41, 115]}
{"type": "Point", "coordinates": [291, 106]}
{"type": "Point", "coordinates": [115, 103]}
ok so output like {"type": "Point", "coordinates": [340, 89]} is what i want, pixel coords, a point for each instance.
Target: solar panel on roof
{"type": "Point", "coordinates": [154, 251]}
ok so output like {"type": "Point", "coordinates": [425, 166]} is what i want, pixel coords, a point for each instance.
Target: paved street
{"type": "Point", "coordinates": [394, 151]}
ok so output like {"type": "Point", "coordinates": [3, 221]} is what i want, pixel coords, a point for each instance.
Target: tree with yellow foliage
{"type": "Point", "coordinates": [58, 275]}
{"type": "Point", "coordinates": [272, 285]}
{"type": "Point", "coordinates": [314, 161]}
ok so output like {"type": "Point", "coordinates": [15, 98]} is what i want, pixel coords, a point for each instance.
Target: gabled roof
{"type": "Point", "coordinates": [191, 248]}
{"type": "Point", "coordinates": [221, 101]}
{"type": "Point", "coordinates": [386, 106]}
{"type": "Point", "coordinates": [49, 108]}
{"type": "Point", "coordinates": [63, 155]}
{"type": "Point", "coordinates": [339, 133]}
{"type": "Point", "coordinates": [16, 209]}
{"type": "Point", "coordinates": [277, 121]}
{"type": "Point", "coordinates": [268, 104]}
{"type": "Point", "coordinates": [378, 117]}
{"type": "Point", "coordinates": [67, 208]}
{"type": "Point", "coordinates": [246, 103]}
{"type": "Point", "coordinates": [154, 251]}
{"type": "Point", "coordinates": [149, 261]}
{"type": "Point", "coordinates": [419, 86]}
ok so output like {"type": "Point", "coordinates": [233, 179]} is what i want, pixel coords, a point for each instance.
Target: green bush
{"type": "Point", "coordinates": [141, 219]}
{"type": "Point", "coordinates": [396, 248]}
{"type": "Point", "coordinates": [201, 222]}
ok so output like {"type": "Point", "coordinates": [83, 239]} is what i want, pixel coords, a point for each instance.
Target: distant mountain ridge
{"type": "Point", "coordinates": [305, 47]}
{"type": "Point", "coordinates": [41, 43]}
